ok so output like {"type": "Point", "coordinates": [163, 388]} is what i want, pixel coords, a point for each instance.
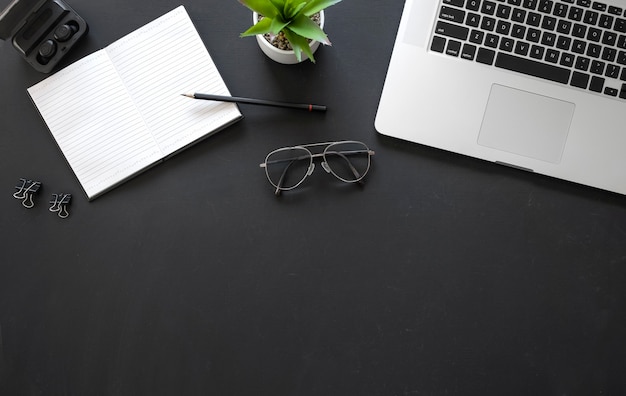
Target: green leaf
{"type": "Point", "coordinates": [314, 6]}
{"type": "Point", "coordinates": [280, 6]}
{"type": "Point", "coordinates": [305, 27]}
{"type": "Point", "coordinates": [278, 24]}
{"type": "Point", "coordinates": [299, 44]}
{"type": "Point", "coordinates": [261, 6]}
{"type": "Point", "coordinates": [293, 10]}
{"type": "Point", "coordinates": [262, 27]}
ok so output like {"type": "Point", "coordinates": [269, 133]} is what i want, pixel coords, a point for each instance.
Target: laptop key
{"type": "Point", "coordinates": [456, 3]}
{"type": "Point", "coordinates": [522, 48]}
{"type": "Point", "coordinates": [564, 27]}
{"type": "Point", "coordinates": [609, 54]}
{"type": "Point", "coordinates": [612, 71]}
{"type": "Point", "coordinates": [530, 4]}
{"type": "Point", "coordinates": [450, 30]}
{"type": "Point", "coordinates": [575, 14]}
{"type": "Point", "coordinates": [545, 6]}
{"type": "Point", "coordinates": [567, 59]}
{"type": "Point", "coordinates": [488, 24]}
{"type": "Point", "coordinates": [579, 30]}
{"type": "Point", "coordinates": [609, 38]}
{"type": "Point", "coordinates": [518, 31]}
{"type": "Point", "coordinates": [594, 50]}
{"type": "Point", "coordinates": [476, 37]}
{"type": "Point", "coordinates": [597, 67]}
{"type": "Point", "coordinates": [504, 11]}
{"type": "Point", "coordinates": [594, 35]}
{"type": "Point", "coordinates": [532, 68]}
{"type": "Point", "coordinates": [591, 17]}
{"type": "Point", "coordinates": [492, 41]}
{"type": "Point", "coordinates": [468, 52]}
{"type": "Point", "coordinates": [533, 19]}
{"type": "Point", "coordinates": [473, 5]}
{"type": "Point", "coordinates": [533, 35]}
{"type": "Point", "coordinates": [606, 21]}
{"type": "Point", "coordinates": [599, 6]}
{"type": "Point", "coordinates": [560, 10]}
{"type": "Point", "coordinates": [548, 39]}
{"type": "Point", "coordinates": [489, 8]}
{"type": "Point", "coordinates": [453, 48]}
{"type": "Point", "coordinates": [537, 52]}
{"type": "Point", "coordinates": [438, 44]}
{"type": "Point", "coordinates": [452, 14]}
{"type": "Point", "coordinates": [518, 15]}
{"type": "Point", "coordinates": [615, 10]}
{"type": "Point", "coordinates": [597, 84]}
{"type": "Point", "coordinates": [552, 56]}
{"type": "Point", "coordinates": [564, 43]}
{"type": "Point", "coordinates": [472, 20]}
{"type": "Point", "coordinates": [485, 56]}
{"type": "Point", "coordinates": [507, 44]}
{"type": "Point", "coordinates": [580, 80]}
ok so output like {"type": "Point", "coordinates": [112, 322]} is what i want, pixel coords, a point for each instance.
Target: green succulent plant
{"type": "Point", "coordinates": [293, 18]}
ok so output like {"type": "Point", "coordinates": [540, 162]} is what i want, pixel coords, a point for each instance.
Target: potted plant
{"type": "Point", "coordinates": [287, 28]}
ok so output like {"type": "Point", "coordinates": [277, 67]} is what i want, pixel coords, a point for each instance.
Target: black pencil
{"type": "Point", "coordinates": [234, 99]}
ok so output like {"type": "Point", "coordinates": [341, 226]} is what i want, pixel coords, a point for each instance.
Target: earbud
{"type": "Point", "coordinates": [65, 32]}
{"type": "Point", "coordinates": [47, 49]}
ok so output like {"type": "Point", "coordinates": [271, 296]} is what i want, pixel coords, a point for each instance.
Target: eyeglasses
{"type": "Point", "coordinates": [287, 167]}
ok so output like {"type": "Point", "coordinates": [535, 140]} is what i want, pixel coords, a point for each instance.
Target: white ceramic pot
{"type": "Point", "coordinates": [283, 56]}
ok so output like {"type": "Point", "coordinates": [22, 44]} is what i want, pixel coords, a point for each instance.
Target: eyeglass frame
{"type": "Point", "coordinates": [324, 163]}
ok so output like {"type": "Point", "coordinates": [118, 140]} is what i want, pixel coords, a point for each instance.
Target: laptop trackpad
{"type": "Point", "coordinates": [527, 124]}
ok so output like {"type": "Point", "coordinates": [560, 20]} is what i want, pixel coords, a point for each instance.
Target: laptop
{"type": "Point", "coordinates": [538, 85]}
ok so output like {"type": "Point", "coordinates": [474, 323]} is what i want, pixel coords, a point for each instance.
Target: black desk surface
{"type": "Point", "coordinates": [444, 275]}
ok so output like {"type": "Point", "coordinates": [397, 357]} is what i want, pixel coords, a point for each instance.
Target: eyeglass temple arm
{"type": "Point", "coordinates": [282, 177]}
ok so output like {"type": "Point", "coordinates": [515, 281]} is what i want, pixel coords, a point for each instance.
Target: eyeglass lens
{"type": "Point", "coordinates": [348, 161]}
{"type": "Point", "coordinates": [287, 167]}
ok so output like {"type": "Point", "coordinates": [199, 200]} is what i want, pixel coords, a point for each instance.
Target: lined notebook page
{"type": "Point", "coordinates": [161, 61]}
{"type": "Point", "coordinates": [120, 110]}
{"type": "Point", "coordinates": [95, 123]}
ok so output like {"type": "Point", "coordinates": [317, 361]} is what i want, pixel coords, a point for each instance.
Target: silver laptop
{"type": "Point", "coordinates": [538, 85]}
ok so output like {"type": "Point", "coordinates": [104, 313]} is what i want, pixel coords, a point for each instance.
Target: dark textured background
{"type": "Point", "coordinates": [444, 275]}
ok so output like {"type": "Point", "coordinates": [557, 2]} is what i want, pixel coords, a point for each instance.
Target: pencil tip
{"type": "Point", "coordinates": [187, 95]}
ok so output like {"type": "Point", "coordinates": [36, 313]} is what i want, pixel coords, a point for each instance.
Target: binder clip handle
{"type": "Point", "coordinates": [59, 204]}
{"type": "Point", "coordinates": [20, 194]}
{"type": "Point", "coordinates": [25, 191]}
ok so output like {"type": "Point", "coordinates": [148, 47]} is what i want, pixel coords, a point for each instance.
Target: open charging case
{"type": "Point", "coordinates": [42, 31]}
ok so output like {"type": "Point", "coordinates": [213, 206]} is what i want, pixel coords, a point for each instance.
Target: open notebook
{"type": "Point", "coordinates": [119, 111]}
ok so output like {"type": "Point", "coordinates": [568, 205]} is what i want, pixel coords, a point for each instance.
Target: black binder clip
{"type": "Point", "coordinates": [25, 191]}
{"type": "Point", "coordinates": [59, 203]}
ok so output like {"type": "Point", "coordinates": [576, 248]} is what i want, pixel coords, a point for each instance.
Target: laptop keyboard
{"type": "Point", "coordinates": [581, 43]}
